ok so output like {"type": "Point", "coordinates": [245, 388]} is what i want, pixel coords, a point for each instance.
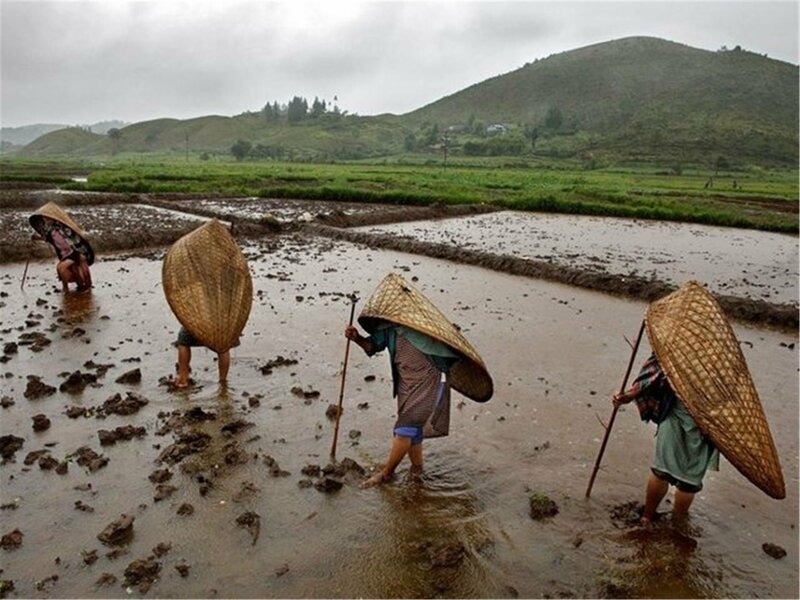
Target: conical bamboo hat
{"type": "Point", "coordinates": [208, 286]}
{"type": "Point", "coordinates": [51, 210]}
{"type": "Point", "coordinates": [699, 353]}
{"type": "Point", "coordinates": [396, 301]}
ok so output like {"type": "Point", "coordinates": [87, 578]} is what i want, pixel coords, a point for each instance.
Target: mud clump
{"type": "Point", "coordinates": [160, 475]}
{"type": "Point", "coordinates": [542, 507]}
{"type": "Point", "coordinates": [11, 540]}
{"type": "Point", "coordinates": [35, 339]}
{"type": "Point", "coordinates": [183, 569]}
{"type": "Point", "coordinates": [117, 532]}
{"type": "Point", "coordinates": [236, 426]}
{"type": "Point", "coordinates": [6, 401]}
{"type": "Point", "coordinates": [131, 377]}
{"type": "Point", "coordinates": [9, 444]}
{"type": "Point", "coordinates": [164, 491]}
{"type": "Point", "coordinates": [125, 432]}
{"type": "Point", "coordinates": [252, 522]}
{"type": "Point", "coordinates": [275, 469]}
{"type": "Point", "coordinates": [118, 405]}
{"type": "Point", "coordinates": [6, 586]}
{"type": "Point", "coordinates": [106, 579]}
{"type": "Point", "coordinates": [73, 412]}
{"type": "Point", "coordinates": [76, 382]}
{"type": "Point", "coordinates": [773, 550]}
{"type": "Point", "coordinates": [186, 510]}
{"type": "Point", "coordinates": [333, 412]}
{"type": "Point", "coordinates": [279, 361]}
{"type": "Point", "coordinates": [328, 485]}
{"type": "Point", "coordinates": [10, 348]}
{"type": "Point", "coordinates": [40, 422]}
{"type": "Point", "coordinates": [627, 514]}
{"type": "Point", "coordinates": [86, 457]}
{"type": "Point", "coordinates": [36, 388]}
{"type": "Point", "coordinates": [142, 573]}
{"type": "Point", "coordinates": [186, 444]}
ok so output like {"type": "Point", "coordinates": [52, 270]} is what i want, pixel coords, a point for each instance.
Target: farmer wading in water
{"type": "Point", "coordinates": [428, 355]}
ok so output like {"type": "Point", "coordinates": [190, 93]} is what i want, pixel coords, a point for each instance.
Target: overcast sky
{"type": "Point", "coordinates": [79, 62]}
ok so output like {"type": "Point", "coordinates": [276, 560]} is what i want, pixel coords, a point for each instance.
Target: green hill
{"type": "Point", "coordinates": [643, 97]}
{"type": "Point", "coordinates": [634, 99]}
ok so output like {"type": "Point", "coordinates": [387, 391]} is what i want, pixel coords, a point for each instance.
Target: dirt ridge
{"type": "Point", "coordinates": [757, 312]}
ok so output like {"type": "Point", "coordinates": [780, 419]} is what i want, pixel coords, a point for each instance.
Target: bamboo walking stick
{"type": "Point", "coordinates": [614, 412]}
{"type": "Point", "coordinates": [25, 274]}
{"type": "Point", "coordinates": [353, 299]}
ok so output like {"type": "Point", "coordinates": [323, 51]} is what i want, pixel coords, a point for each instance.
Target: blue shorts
{"type": "Point", "coordinates": [415, 433]}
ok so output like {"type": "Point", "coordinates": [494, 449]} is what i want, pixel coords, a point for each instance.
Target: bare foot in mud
{"type": "Point", "coordinates": [377, 479]}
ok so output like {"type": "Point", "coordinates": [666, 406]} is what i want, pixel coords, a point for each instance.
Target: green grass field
{"type": "Point", "coordinates": [763, 199]}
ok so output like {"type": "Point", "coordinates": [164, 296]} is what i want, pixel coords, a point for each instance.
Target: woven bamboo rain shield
{"type": "Point", "coordinates": [208, 286]}
{"type": "Point", "coordinates": [396, 301]}
{"type": "Point", "coordinates": [699, 353]}
{"type": "Point", "coordinates": [53, 211]}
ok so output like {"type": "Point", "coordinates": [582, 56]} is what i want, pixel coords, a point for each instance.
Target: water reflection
{"type": "Point", "coordinates": [79, 307]}
{"type": "Point", "coordinates": [664, 561]}
{"type": "Point", "coordinates": [431, 539]}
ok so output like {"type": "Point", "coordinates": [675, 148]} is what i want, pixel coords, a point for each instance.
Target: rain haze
{"type": "Point", "coordinates": [82, 62]}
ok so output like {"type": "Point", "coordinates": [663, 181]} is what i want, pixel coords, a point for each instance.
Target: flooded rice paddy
{"type": "Point", "coordinates": [224, 484]}
{"type": "Point", "coordinates": [751, 264]}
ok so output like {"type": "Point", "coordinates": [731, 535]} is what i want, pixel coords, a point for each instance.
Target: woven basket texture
{"type": "Point", "coordinates": [698, 351]}
{"type": "Point", "coordinates": [396, 301]}
{"type": "Point", "coordinates": [208, 285]}
{"type": "Point", "coordinates": [53, 211]}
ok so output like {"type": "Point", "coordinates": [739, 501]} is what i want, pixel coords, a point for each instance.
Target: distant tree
{"type": "Point", "coordinates": [410, 142]}
{"type": "Point", "coordinates": [271, 112]}
{"type": "Point", "coordinates": [531, 134]}
{"type": "Point", "coordinates": [297, 109]}
{"type": "Point", "coordinates": [553, 119]}
{"type": "Point", "coordinates": [318, 108]}
{"type": "Point", "coordinates": [241, 149]}
{"type": "Point", "coordinates": [115, 135]}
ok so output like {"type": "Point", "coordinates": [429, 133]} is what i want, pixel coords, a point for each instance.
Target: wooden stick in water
{"type": "Point", "coordinates": [353, 299]}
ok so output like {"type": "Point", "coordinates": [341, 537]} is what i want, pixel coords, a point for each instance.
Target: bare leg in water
{"type": "Point", "coordinates": [656, 490]}
{"type": "Point", "coordinates": [184, 359]}
{"type": "Point", "coordinates": [224, 359]}
{"type": "Point", "coordinates": [400, 447]}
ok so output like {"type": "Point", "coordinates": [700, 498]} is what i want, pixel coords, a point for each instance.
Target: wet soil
{"type": "Point", "coordinates": [214, 464]}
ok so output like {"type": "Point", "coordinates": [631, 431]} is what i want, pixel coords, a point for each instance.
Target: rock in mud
{"type": "Point", "coordinates": [9, 444]}
{"type": "Point", "coordinates": [542, 507]}
{"type": "Point", "coordinates": [117, 532]}
{"type": "Point", "coordinates": [132, 377]}
{"type": "Point", "coordinates": [36, 388]}
{"type": "Point", "coordinates": [76, 382]}
{"type": "Point", "coordinates": [40, 422]}
{"type": "Point", "coordinates": [252, 522]}
{"type": "Point", "coordinates": [773, 550]}
{"type": "Point", "coordinates": [328, 485]}
{"type": "Point", "coordinates": [11, 540]}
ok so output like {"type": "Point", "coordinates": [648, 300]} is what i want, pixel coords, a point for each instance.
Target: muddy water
{"type": "Point", "coordinates": [556, 355]}
{"type": "Point", "coordinates": [282, 209]}
{"type": "Point", "coordinates": [750, 264]}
